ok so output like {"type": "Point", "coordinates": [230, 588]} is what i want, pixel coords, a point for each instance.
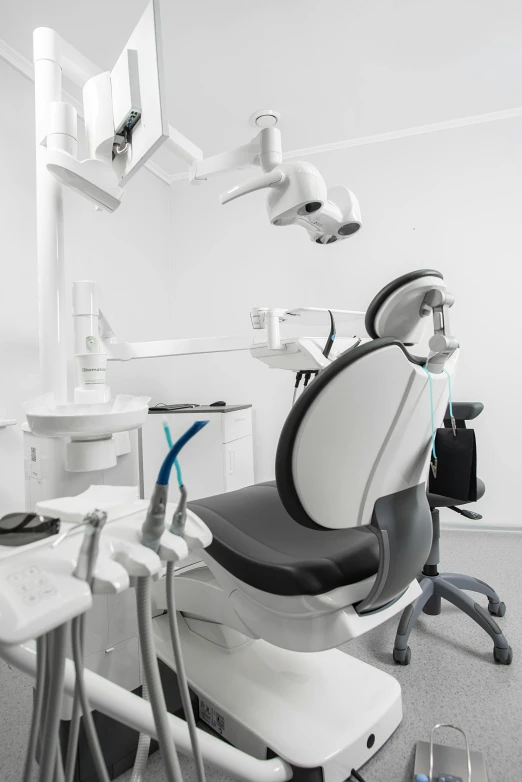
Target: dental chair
{"type": "Point", "coordinates": [328, 551]}
{"type": "Point", "coordinates": [382, 317]}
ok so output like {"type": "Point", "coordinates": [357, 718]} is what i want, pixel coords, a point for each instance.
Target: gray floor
{"type": "Point", "coordinates": [452, 677]}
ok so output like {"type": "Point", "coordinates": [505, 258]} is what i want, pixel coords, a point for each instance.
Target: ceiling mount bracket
{"type": "Point", "coordinates": [265, 118]}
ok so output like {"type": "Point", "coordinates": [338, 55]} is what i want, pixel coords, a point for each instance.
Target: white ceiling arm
{"type": "Point", "coordinates": [124, 351]}
{"type": "Point", "coordinates": [263, 150]}
{"type": "Point", "coordinates": [242, 157]}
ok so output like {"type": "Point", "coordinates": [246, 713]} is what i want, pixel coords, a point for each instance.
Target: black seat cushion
{"type": "Point", "coordinates": [438, 501]}
{"type": "Point", "coordinates": [256, 540]}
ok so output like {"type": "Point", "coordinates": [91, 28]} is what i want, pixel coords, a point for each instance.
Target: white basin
{"type": "Point", "coordinates": [121, 414]}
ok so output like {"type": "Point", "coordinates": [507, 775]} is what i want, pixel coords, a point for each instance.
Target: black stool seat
{"type": "Point", "coordinates": [438, 501]}
{"type": "Point", "coordinates": [256, 540]}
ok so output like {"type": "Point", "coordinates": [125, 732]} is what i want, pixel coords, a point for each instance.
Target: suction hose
{"type": "Point", "coordinates": [88, 722]}
{"type": "Point", "coordinates": [182, 677]}
{"type": "Point", "coordinates": [142, 753]}
{"type": "Point", "coordinates": [152, 677]}
{"type": "Point", "coordinates": [41, 663]}
{"type": "Point", "coordinates": [55, 677]}
{"type": "Point", "coordinates": [94, 522]}
{"type": "Point", "coordinates": [152, 530]}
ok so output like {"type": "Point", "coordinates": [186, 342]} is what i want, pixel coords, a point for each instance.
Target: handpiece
{"type": "Point", "coordinates": [154, 524]}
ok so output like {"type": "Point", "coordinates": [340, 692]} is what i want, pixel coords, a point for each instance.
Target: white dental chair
{"type": "Point", "coordinates": [302, 564]}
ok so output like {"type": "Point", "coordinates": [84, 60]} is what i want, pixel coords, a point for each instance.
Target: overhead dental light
{"type": "Point", "coordinates": [297, 193]}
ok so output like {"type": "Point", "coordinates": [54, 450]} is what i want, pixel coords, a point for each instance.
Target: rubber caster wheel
{"type": "Point", "coordinates": [497, 609]}
{"type": "Point", "coordinates": [503, 656]}
{"type": "Point", "coordinates": [402, 657]}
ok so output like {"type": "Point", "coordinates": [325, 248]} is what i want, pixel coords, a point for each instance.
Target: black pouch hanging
{"type": "Point", "coordinates": [454, 467]}
{"type": "Point", "coordinates": [456, 474]}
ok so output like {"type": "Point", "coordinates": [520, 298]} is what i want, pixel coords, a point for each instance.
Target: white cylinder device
{"type": "Point", "coordinates": [91, 361]}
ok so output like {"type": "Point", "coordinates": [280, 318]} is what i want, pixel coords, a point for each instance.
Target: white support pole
{"type": "Point", "coordinates": [52, 312]}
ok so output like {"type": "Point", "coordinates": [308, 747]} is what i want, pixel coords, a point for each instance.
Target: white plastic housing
{"type": "Point", "coordinates": [90, 455]}
{"type": "Point", "coordinates": [302, 186]}
{"type": "Point", "coordinates": [400, 315]}
{"type": "Point", "coordinates": [120, 415]}
{"type": "Point", "coordinates": [99, 123]}
{"type": "Point", "coordinates": [91, 178]}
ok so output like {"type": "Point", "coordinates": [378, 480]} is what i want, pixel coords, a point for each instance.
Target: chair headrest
{"type": "Point", "coordinates": [396, 309]}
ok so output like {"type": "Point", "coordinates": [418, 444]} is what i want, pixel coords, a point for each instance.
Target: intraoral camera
{"type": "Point", "coordinates": [297, 193]}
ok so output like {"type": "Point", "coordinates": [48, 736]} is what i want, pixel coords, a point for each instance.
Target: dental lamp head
{"type": "Point", "coordinates": [297, 195]}
{"type": "Point", "coordinates": [296, 191]}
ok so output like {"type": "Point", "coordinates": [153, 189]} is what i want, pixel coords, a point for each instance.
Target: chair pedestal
{"type": "Point", "coordinates": [324, 713]}
{"type": "Point", "coordinates": [449, 586]}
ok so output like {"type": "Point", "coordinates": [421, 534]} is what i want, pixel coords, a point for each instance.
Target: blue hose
{"type": "Point", "coordinates": [166, 467]}
{"type": "Point", "coordinates": [166, 427]}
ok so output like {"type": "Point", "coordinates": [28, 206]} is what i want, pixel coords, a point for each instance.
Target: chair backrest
{"type": "Point", "coordinates": [355, 451]}
{"type": "Point", "coordinates": [360, 431]}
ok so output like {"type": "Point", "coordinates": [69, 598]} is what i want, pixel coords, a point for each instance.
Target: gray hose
{"type": "Point", "coordinates": [84, 570]}
{"type": "Point", "coordinates": [88, 722]}
{"type": "Point", "coordinates": [74, 727]}
{"type": "Point", "coordinates": [142, 754]}
{"type": "Point", "coordinates": [182, 677]}
{"type": "Point", "coordinates": [54, 701]}
{"type": "Point", "coordinates": [41, 654]}
{"type": "Point", "coordinates": [58, 769]}
{"type": "Point", "coordinates": [152, 676]}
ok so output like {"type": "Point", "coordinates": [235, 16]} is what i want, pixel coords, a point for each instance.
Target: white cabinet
{"type": "Point", "coordinates": [217, 460]}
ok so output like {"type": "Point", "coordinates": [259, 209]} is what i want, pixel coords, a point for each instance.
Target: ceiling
{"type": "Point", "coordinates": [335, 69]}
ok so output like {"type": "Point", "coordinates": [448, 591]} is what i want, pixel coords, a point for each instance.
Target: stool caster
{"type": "Point", "coordinates": [503, 656]}
{"type": "Point", "coordinates": [402, 656]}
{"type": "Point", "coordinates": [497, 609]}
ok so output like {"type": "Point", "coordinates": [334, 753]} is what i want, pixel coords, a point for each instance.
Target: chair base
{"type": "Point", "coordinates": [324, 713]}
{"type": "Point", "coordinates": [450, 586]}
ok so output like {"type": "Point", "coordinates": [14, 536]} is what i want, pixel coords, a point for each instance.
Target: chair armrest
{"type": "Point", "coordinates": [465, 411]}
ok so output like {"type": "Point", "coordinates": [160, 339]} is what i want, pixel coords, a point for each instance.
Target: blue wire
{"type": "Point", "coordinates": [449, 388]}
{"type": "Point", "coordinates": [432, 414]}
{"type": "Point", "coordinates": [168, 435]}
{"type": "Point", "coordinates": [166, 467]}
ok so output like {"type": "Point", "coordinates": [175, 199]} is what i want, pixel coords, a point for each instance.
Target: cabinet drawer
{"type": "Point", "coordinates": [236, 424]}
{"type": "Point", "coordinates": [239, 464]}
{"type": "Point", "coordinates": [120, 665]}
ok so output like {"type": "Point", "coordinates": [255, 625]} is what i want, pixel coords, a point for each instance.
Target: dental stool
{"type": "Point", "coordinates": [300, 565]}
{"type": "Point", "coordinates": [384, 317]}
{"type": "Point", "coordinates": [450, 586]}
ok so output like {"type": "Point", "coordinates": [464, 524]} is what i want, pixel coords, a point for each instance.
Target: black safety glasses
{"type": "Point", "coordinates": [20, 529]}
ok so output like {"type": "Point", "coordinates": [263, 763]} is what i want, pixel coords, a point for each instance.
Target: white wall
{"type": "Point", "coordinates": [450, 200]}
{"type": "Point", "coordinates": [128, 253]}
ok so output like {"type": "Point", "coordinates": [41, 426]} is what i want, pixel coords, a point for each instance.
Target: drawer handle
{"type": "Point", "coordinates": [109, 650]}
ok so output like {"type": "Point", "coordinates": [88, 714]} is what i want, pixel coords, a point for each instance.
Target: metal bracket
{"type": "Point", "coordinates": [442, 344]}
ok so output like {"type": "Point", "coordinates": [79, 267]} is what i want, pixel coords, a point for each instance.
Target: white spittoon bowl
{"type": "Point", "coordinates": [121, 414]}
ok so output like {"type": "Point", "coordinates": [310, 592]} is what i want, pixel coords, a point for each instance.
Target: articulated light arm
{"type": "Point", "coordinates": [263, 150]}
